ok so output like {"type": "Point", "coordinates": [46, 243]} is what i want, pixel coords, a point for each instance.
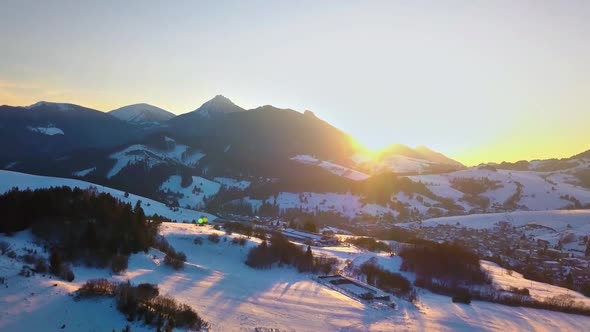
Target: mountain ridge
{"type": "Point", "coordinates": [142, 114]}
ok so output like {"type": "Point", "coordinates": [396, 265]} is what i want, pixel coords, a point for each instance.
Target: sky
{"type": "Point", "coordinates": [480, 81]}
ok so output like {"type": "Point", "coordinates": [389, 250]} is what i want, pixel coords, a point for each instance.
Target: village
{"type": "Point", "coordinates": [518, 249]}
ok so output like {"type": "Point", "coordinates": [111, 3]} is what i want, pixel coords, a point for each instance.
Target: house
{"type": "Point", "coordinates": [307, 237]}
{"type": "Point", "coordinates": [521, 254]}
{"type": "Point", "coordinates": [551, 265]}
{"type": "Point", "coordinates": [556, 253]}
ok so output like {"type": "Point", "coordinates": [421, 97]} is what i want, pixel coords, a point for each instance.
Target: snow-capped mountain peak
{"type": "Point", "coordinates": [142, 114]}
{"type": "Point", "coordinates": [218, 105]}
{"type": "Point", "coordinates": [59, 106]}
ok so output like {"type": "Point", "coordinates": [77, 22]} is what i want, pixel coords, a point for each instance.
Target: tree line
{"type": "Point", "coordinates": [79, 225]}
{"type": "Point", "coordinates": [282, 252]}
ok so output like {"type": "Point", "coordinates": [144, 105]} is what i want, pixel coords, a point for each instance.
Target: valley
{"type": "Point", "coordinates": [254, 167]}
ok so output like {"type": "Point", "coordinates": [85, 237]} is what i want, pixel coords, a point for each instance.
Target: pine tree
{"type": "Point", "coordinates": [55, 262]}
{"type": "Point", "coordinates": [89, 238]}
{"type": "Point", "coordinates": [569, 280]}
{"type": "Point", "coordinates": [308, 260]}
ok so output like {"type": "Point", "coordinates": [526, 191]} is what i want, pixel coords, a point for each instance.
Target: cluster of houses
{"type": "Point", "coordinates": [309, 238]}
{"type": "Point", "coordinates": [519, 250]}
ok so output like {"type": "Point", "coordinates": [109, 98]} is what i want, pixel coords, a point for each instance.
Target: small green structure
{"type": "Point", "coordinates": [203, 221]}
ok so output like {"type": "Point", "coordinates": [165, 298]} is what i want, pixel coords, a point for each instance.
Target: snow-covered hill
{"type": "Point", "coordinates": [9, 180]}
{"type": "Point", "coordinates": [144, 115]}
{"type": "Point", "coordinates": [511, 191]}
{"type": "Point", "coordinates": [193, 195]}
{"type": "Point", "coordinates": [333, 168]}
{"type": "Point", "coordinates": [175, 153]}
{"type": "Point", "coordinates": [63, 107]}
{"type": "Point", "coordinates": [402, 159]}
{"type": "Point", "coordinates": [346, 204]}
{"type": "Point", "coordinates": [234, 297]}
{"type": "Point", "coordinates": [539, 190]}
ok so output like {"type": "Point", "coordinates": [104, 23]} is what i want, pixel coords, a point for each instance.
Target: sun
{"type": "Point", "coordinates": [367, 152]}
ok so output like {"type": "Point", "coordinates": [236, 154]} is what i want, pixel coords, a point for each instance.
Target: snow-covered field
{"type": "Point", "coordinates": [234, 297]}
{"type": "Point", "coordinates": [9, 180]}
{"type": "Point", "coordinates": [538, 290]}
{"type": "Point", "coordinates": [43, 303]}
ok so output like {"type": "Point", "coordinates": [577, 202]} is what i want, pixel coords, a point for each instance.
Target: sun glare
{"type": "Point", "coordinates": [368, 152]}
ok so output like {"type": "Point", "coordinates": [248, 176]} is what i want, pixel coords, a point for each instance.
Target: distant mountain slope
{"type": "Point", "coordinates": [585, 154]}
{"type": "Point", "coordinates": [402, 159]}
{"type": "Point", "coordinates": [145, 115]}
{"type": "Point", "coordinates": [216, 107]}
{"type": "Point", "coordinates": [289, 160]}
{"type": "Point", "coordinates": [257, 140]}
{"type": "Point", "coordinates": [437, 157]}
{"type": "Point", "coordinates": [52, 129]}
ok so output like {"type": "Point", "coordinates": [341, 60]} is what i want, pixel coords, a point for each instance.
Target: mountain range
{"type": "Point", "coordinates": [52, 129]}
{"type": "Point", "coordinates": [223, 157]}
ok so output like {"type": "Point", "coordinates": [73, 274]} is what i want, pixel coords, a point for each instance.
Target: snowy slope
{"type": "Point", "coordinates": [42, 303]}
{"type": "Point", "coordinates": [194, 195]}
{"type": "Point", "coordinates": [541, 190]}
{"type": "Point", "coordinates": [219, 105]}
{"type": "Point", "coordinates": [397, 163]}
{"type": "Point", "coordinates": [345, 204]}
{"type": "Point", "coordinates": [538, 290]}
{"type": "Point", "coordinates": [151, 156]}
{"type": "Point", "coordinates": [49, 131]}
{"type": "Point", "coordinates": [64, 107]}
{"type": "Point", "coordinates": [9, 179]}
{"type": "Point", "coordinates": [142, 114]}
{"type": "Point", "coordinates": [555, 219]}
{"type": "Point", "coordinates": [402, 159]}
{"type": "Point", "coordinates": [234, 297]}
{"type": "Point", "coordinates": [84, 172]}
{"type": "Point", "coordinates": [232, 183]}
{"type": "Point", "coordinates": [332, 167]}
{"type": "Point", "coordinates": [403, 164]}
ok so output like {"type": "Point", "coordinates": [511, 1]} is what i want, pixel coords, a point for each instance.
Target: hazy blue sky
{"type": "Point", "coordinates": [476, 80]}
